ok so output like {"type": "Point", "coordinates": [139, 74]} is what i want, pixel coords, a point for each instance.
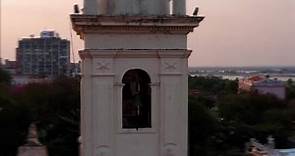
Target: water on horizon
{"type": "Point", "coordinates": [279, 72]}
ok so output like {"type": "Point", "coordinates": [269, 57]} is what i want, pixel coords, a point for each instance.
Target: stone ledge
{"type": "Point", "coordinates": [84, 24]}
{"type": "Point", "coordinates": [135, 53]}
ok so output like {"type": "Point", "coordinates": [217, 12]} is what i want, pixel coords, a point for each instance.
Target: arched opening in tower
{"type": "Point", "coordinates": [136, 102]}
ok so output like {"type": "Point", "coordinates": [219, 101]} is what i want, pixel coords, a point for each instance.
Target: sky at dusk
{"type": "Point", "coordinates": [234, 32]}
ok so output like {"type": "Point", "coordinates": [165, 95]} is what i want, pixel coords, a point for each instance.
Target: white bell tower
{"type": "Point", "coordinates": [134, 77]}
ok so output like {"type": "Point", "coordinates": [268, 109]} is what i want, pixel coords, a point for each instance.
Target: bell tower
{"type": "Point", "coordinates": [134, 77]}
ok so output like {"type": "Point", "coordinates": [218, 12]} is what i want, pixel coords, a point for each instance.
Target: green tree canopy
{"type": "Point", "coordinates": [54, 106]}
{"type": "Point", "coordinates": [5, 77]}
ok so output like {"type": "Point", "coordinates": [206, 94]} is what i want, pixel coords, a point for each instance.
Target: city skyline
{"type": "Point", "coordinates": [234, 32]}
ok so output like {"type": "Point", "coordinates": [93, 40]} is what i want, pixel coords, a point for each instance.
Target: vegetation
{"type": "Point", "coordinates": [213, 85]}
{"type": "Point", "coordinates": [54, 107]}
{"type": "Point", "coordinates": [5, 77]}
{"type": "Point", "coordinates": [232, 119]}
{"type": "Point", "coordinates": [220, 120]}
{"type": "Point", "coordinates": [290, 89]}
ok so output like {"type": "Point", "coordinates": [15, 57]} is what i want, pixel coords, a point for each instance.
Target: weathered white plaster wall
{"type": "Point", "coordinates": [90, 7]}
{"type": "Point", "coordinates": [102, 108]}
{"type": "Point", "coordinates": [139, 7]}
{"type": "Point", "coordinates": [134, 7]}
{"type": "Point", "coordinates": [179, 7]}
{"type": "Point", "coordinates": [138, 144]}
{"type": "Point", "coordinates": [135, 41]}
{"type": "Point", "coordinates": [102, 7]}
{"type": "Point", "coordinates": [111, 49]}
{"type": "Point", "coordinates": [32, 151]}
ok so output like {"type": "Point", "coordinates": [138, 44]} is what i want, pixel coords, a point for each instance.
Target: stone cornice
{"type": "Point", "coordinates": [84, 24]}
{"type": "Point", "coordinates": [134, 53]}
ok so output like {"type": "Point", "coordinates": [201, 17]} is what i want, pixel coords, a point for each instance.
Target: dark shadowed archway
{"type": "Point", "coordinates": [136, 102]}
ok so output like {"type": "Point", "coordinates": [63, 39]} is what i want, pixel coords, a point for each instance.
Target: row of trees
{"type": "Point", "coordinates": [53, 106]}
{"type": "Point", "coordinates": [221, 126]}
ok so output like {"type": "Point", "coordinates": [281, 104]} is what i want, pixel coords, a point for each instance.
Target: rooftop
{"type": "Point", "coordinates": [287, 152]}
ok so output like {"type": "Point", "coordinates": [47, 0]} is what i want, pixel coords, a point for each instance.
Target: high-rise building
{"type": "Point", "coordinates": [47, 55]}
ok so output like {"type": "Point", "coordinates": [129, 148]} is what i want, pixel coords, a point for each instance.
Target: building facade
{"type": "Point", "coordinates": [255, 148]}
{"type": "Point", "coordinates": [9, 66]}
{"type": "Point", "coordinates": [134, 91]}
{"type": "Point", "coordinates": [263, 85]}
{"type": "Point", "coordinates": [47, 55]}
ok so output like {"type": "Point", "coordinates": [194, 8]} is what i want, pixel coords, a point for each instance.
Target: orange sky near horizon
{"type": "Point", "coordinates": [234, 32]}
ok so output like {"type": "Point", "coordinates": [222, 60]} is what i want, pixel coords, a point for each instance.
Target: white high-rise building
{"type": "Point", "coordinates": [45, 55]}
{"type": "Point", "coordinates": [134, 77]}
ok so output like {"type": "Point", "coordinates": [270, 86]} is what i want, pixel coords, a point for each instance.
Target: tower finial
{"type": "Point", "coordinates": [76, 9]}
{"type": "Point", "coordinates": [196, 11]}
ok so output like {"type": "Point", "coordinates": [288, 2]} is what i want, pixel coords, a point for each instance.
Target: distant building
{"type": "Point", "coordinates": [47, 55]}
{"type": "Point", "coordinates": [254, 148]}
{"type": "Point", "coordinates": [19, 80]}
{"type": "Point", "coordinates": [74, 69]}
{"type": "Point", "coordinates": [9, 66]}
{"type": "Point", "coordinates": [263, 85]}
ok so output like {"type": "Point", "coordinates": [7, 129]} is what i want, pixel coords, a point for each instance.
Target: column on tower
{"type": "Point", "coordinates": [102, 7]}
{"type": "Point", "coordinates": [90, 7]}
{"type": "Point", "coordinates": [164, 7]}
{"type": "Point", "coordinates": [179, 7]}
{"type": "Point", "coordinates": [132, 7]}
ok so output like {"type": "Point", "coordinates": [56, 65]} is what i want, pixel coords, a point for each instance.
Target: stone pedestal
{"type": "Point", "coordinates": [33, 147]}
{"type": "Point", "coordinates": [32, 151]}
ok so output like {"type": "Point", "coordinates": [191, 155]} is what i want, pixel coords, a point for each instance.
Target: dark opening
{"type": "Point", "coordinates": [136, 99]}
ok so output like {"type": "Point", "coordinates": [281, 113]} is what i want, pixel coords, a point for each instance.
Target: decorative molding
{"type": "Point", "coordinates": [170, 66]}
{"type": "Point", "coordinates": [171, 74]}
{"type": "Point", "coordinates": [134, 53]}
{"type": "Point", "coordinates": [154, 84]}
{"type": "Point", "coordinates": [136, 20]}
{"type": "Point", "coordinates": [170, 149]}
{"type": "Point", "coordinates": [103, 66]}
{"type": "Point", "coordinates": [102, 150]}
{"type": "Point", "coordinates": [119, 84]}
{"type": "Point", "coordinates": [103, 75]}
{"type": "Point", "coordinates": [139, 131]}
{"type": "Point", "coordinates": [134, 30]}
{"type": "Point", "coordinates": [84, 24]}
